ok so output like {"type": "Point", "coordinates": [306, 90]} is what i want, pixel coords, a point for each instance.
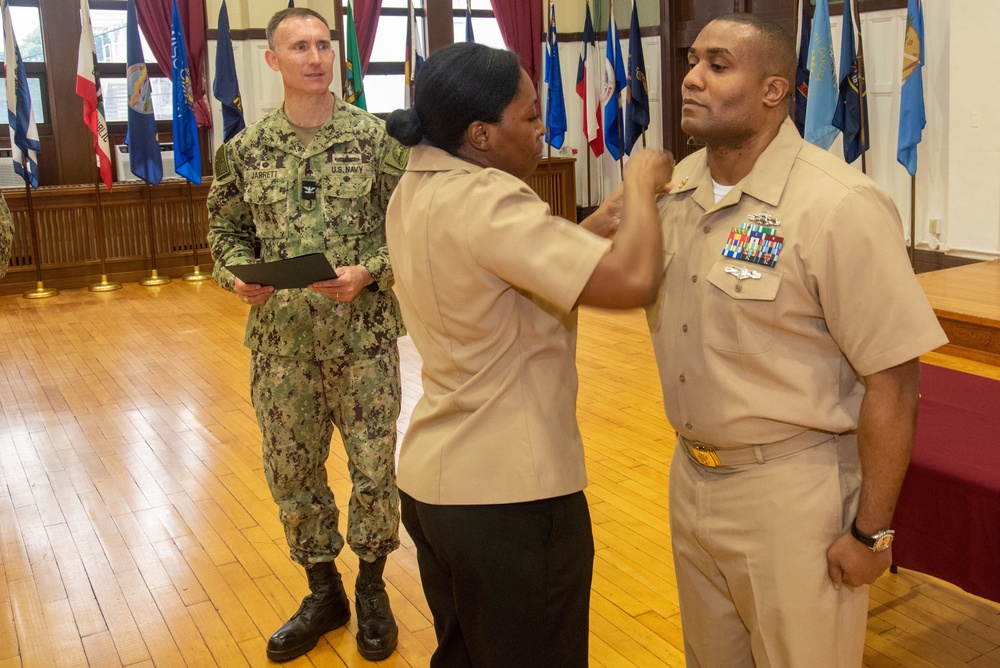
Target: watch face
{"type": "Point", "coordinates": [882, 541]}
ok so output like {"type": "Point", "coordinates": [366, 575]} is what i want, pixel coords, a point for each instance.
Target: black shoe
{"type": "Point", "coordinates": [326, 608]}
{"type": "Point", "coordinates": [377, 630]}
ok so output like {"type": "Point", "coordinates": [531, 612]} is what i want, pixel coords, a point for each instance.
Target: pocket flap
{"type": "Point", "coordinates": [744, 280]}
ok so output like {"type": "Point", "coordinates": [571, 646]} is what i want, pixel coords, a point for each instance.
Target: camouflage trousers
{"type": "Point", "coordinates": [298, 403]}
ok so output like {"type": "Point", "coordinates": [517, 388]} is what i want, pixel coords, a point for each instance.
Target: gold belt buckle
{"type": "Point", "coordinates": [706, 456]}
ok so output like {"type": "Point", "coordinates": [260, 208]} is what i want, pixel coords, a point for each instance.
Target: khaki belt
{"type": "Point", "coordinates": [711, 457]}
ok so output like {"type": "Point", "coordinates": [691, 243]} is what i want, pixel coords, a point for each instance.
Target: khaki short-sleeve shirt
{"type": "Point", "coordinates": [778, 298]}
{"type": "Point", "coordinates": [487, 280]}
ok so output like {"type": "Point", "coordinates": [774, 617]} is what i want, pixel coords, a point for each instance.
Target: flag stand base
{"type": "Point", "coordinates": [40, 292]}
{"type": "Point", "coordinates": [196, 275]}
{"type": "Point", "coordinates": [105, 285]}
{"type": "Point", "coordinates": [154, 278]}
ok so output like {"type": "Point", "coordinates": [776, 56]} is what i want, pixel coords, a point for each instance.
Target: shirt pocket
{"type": "Point", "coordinates": [654, 313]}
{"type": "Point", "coordinates": [268, 201]}
{"type": "Point", "coordinates": [347, 204]}
{"type": "Point", "coordinates": [739, 314]}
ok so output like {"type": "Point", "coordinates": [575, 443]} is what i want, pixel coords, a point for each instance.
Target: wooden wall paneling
{"type": "Point", "coordinates": [66, 220]}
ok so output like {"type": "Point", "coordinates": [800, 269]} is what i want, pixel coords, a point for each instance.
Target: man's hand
{"type": "Point", "coordinates": [349, 282]}
{"type": "Point", "coordinates": [251, 293]}
{"type": "Point", "coordinates": [853, 564]}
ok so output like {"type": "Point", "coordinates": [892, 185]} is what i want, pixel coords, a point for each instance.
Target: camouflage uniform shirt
{"type": "Point", "coordinates": [329, 197]}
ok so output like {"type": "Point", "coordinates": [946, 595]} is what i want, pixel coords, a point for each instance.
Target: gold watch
{"type": "Point", "coordinates": [877, 542]}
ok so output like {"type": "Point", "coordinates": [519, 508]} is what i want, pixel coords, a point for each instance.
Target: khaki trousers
{"type": "Point", "coordinates": [750, 548]}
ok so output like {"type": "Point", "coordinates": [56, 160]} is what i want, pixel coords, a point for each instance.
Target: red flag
{"type": "Point", "coordinates": [88, 86]}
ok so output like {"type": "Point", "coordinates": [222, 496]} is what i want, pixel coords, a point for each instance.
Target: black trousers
{"type": "Point", "coordinates": [508, 585]}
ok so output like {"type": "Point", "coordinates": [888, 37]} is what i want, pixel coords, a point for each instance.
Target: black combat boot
{"type": "Point", "coordinates": [326, 608]}
{"type": "Point", "coordinates": [377, 631]}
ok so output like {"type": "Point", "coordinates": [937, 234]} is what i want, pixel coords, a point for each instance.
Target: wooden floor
{"type": "Point", "coordinates": [136, 528]}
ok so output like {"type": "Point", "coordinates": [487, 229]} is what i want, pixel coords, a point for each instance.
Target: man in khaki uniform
{"type": "Point", "coordinates": [787, 337]}
{"type": "Point", "coordinates": [315, 176]}
{"type": "Point", "coordinates": [6, 236]}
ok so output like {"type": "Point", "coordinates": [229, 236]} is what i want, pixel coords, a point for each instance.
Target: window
{"type": "Point", "coordinates": [112, 57]}
{"type": "Point", "coordinates": [28, 33]}
{"type": "Point", "coordinates": [485, 28]}
{"type": "Point", "coordinates": [385, 82]}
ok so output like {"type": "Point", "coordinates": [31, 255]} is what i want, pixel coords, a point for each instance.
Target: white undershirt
{"type": "Point", "coordinates": [720, 190]}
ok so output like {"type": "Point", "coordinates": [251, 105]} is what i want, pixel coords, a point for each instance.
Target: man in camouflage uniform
{"type": "Point", "coordinates": [316, 176]}
{"type": "Point", "coordinates": [6, 236]}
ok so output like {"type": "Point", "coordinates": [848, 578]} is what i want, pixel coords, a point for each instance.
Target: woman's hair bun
{"type": "Point", "coordinates": [404, 126]}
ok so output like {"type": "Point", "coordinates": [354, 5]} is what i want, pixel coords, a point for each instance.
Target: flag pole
{"type": "Point", "coordinates": [548, 84]}
{"type": "Point", "coordinates": [105, 285]}
{"type": "Point", "coordinates": [862, 83]}
{"type": "Point", "coordinates": [40, 291]}
{"type": "Point", "coordinates": [590, 195]}
{"type": "Point", "coordinates": [195, 275]}
{"type": "Point", "coordinates": [913, 221]}
{"type": "Point", "coordinates": [154, 277]}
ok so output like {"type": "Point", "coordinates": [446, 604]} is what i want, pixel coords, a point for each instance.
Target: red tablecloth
{"type": "Point", "coordinates": [948, 518]}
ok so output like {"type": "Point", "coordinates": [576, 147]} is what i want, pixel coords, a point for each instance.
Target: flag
{"type": "Point", "coordinates": [555, 107]}
{"type": "Point", "coordinates": [637, 93]}
{"type": "Point", "coordinates": [88, 86]}
{"type": "Point", "coordinates": [822, 82]}
{"type": "Point", "coordinates": [912, 118]}
{"type": "Point", "coordinates": [291, 3]}
{"type": "Point", "coordinates": [614, 82]}
{"type": "Point", "coordinates": [225, 87]}
{"type": "Point", "coordinates": [354, 87]}
{"type": "Point", "coordinates": [187, 149]}
{"type": "Point", "coordinates": [802, 71]}
{"type": "Point", "coordinates": [851, 116]}
{"type": "Point", "coordinates": [24, 144]}
{"type": "Point", "coordinates": [586, 88]}
{"type": "Point", "coordinates": [469, 37]}
{"type": "Point", "coordinates": [143, 146]}
{"type": "Point", "coordinates": [415, 54]}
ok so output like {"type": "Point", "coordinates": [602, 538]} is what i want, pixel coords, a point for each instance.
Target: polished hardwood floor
{"type": "Point", "coordinates": [136, 528]}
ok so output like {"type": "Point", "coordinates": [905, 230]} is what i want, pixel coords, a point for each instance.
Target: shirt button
{"type": "Point", "coordinates": [688, 426]}
{"type": "Point", "coordinates": [694, 279]}
{"type": "Point", "coordinates": [739, 288]}
{"type": "Point", "coordinates": [682, 378]}
{"type": "Point", "coordinates": [684, 328]}
{"type": "Point", "coordinates": [706, 229]}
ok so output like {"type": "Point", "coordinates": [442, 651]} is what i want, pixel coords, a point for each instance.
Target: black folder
{"type": "Point", "coordinates": [296, 272]}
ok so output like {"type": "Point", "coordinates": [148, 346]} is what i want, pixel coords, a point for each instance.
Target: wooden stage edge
{"type": "Point", "coordinates": [966, 301]}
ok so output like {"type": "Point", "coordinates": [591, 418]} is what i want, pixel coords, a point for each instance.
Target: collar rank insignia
{"type": "Point", "coordinates": [754, 243]}
{"type": "Point", "coordinates": [743, 273]}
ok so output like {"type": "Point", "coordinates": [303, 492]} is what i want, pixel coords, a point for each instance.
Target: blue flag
{"type": "Point", "coordinates": [225, 87]}
{"type": "Point", "coordinates": [24, 144]}
{"type": "Point", "coordinates": [851, 116]}
{"type": "Point", "coordinates": [143, 146]}
{"type": "Point", "coordinates": [614, 82]}
{"type": "Point", "coordinates": [469, 36]}
{"type": "Point", "coordinates": [555, 108]}
{"type": "Point", "coordinates": [802, 72]}
{"type": "Point", "coordinates": [637, 94]}
{"type": "Point", "coordinates": [187, 149]}
{"type": "Point", "coordinates": [912, 118]}
{"type": "Point", "coordinates": [822, 81]}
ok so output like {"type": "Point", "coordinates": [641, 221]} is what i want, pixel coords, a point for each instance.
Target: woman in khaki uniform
{"type": "Point", "coordinates": [491, 469]}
